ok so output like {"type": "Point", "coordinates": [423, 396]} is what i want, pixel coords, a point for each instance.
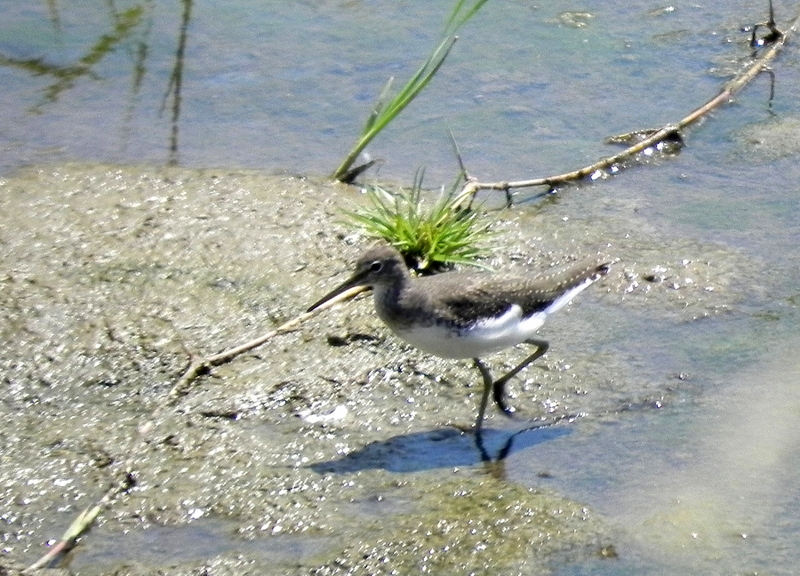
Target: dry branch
{"type": "Point", "coordinates": [199, 366]}
{"type": "Point", "coordinates": [776, 41]}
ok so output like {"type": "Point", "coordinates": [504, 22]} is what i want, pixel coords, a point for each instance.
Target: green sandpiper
{"type": "Point", "coordinates": [464, 314]}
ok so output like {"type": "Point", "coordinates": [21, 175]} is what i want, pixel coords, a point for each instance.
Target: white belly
{"type": "Point", "coordinates": [484, 338]}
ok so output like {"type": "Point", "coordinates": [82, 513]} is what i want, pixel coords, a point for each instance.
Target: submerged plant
{"type": "Point", "coordinates": [431, 236]}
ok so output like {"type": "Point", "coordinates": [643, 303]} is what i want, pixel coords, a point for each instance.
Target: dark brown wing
{"type": "Point", "coordinates": [461, 297]}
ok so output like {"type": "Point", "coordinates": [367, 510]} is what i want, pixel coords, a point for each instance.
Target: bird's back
{"type": "Point", "coordinates": [463, 297]}
{"type": "Point", "coordinates": [467, 315]}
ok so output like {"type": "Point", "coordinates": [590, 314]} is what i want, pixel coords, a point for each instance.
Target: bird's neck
{"type": "Point", "coordinates": [389, 297]}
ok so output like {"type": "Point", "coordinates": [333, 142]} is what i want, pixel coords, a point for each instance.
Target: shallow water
{"type": "Point", "coordinates": [704, 487]}
{"type": "Point", "coordinates": [287, 85]}
{"type": "Point", "coordinates": [697, 468]}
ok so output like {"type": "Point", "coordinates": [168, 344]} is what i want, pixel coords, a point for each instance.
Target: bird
{"type": "Point", "coordinates": [467, 314]}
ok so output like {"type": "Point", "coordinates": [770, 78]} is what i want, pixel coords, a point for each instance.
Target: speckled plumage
{"type": "Point", "coordinates": [462, 298]}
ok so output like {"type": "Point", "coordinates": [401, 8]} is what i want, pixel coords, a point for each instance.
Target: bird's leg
{"type": "Point", "coordinates": [487, 386]}
{"type": "Point", "coordinates": [499, 385]}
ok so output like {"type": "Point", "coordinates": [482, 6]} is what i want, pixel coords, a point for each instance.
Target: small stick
{"type": "Point", "coordinates": [81, 524]}
{"type": "Point", "coordinates": [199, 366]}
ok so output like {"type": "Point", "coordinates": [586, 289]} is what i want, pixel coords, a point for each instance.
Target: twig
{"type": "Point", "coordinates": [81, 524]}
{"type": "Point", "coordinates": [774, 33]}
{"type": "Point", "coordinates": [653, 137]}
{"type": "Point", "coordinates": [200, 366]}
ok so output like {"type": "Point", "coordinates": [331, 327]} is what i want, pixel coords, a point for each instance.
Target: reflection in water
{"type": "Point", "coordinates": [443, 448]}
{"type": "Point", "coordinates": [65, 77]}
{"type": "Point", "coordinates": [494, 464]}
{"type": "Point", "coordinates": [55, 16]}
{"type": "Point", "coordinates": [176, 82]}
{"type": "Point", "coordinates": [132, 25]}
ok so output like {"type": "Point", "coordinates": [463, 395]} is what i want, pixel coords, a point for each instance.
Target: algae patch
{"type": "Point", "coordinates": [472, 525]}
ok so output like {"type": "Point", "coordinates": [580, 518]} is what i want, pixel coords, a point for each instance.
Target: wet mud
{"type": "Point", "coordinates": [332, 449]}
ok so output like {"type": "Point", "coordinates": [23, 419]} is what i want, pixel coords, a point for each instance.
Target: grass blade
{"type": "Point", "coordinates": [382, 115]}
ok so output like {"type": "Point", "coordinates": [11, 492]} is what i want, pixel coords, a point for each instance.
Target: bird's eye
{"type": "Point", "coordinates": [376, 266]}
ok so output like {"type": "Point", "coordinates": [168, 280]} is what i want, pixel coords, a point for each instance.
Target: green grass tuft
{"type": "Point", "coordinates": [431, 235]}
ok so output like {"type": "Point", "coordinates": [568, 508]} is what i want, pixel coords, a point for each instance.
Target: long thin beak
{"type": "Point", "coordinates": [356, 280]}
